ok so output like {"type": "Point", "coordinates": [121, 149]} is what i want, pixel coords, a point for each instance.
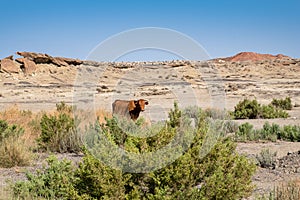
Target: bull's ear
{"type": "Point", "coordinates": [143, 101]}
{"type": "Point", "coordinates": [131, 105]}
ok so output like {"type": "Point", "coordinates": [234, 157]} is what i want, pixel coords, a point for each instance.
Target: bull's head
{"type": "Point", "coordinates": [139, 104]}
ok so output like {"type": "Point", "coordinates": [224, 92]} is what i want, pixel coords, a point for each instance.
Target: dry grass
{"type": "Point", "coordinates": [26, 119]}
{"type": "Point", "coordinates": [15, 149]}
{"type": "Point", "coordinates": [14, 115]}
{"type": "Point", "coordinates": [85, 117]}
{"type": "Point", "coordinates": [102, 114]}
{"type": "Point", "coordinates": [13, 152]}
{"type": "Point", "coordinates": [288, 190]}
{"type": "Point", "coordinates": [18, 151]}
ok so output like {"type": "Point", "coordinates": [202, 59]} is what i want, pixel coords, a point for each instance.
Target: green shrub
{"type": "Point", "coordinates": [230, 126]}
{"type": "Point", "coordinates": [53, 182]}
{"type": "Point", "coordinates": [59, 133]}
{"type": "Point", "coordinates": [187, 178]}
{"type": "Point", "coordinates": [3, 127]}
{"type": "Point", "coordinates": [269, 132]}
{"type": "Point", "coordinates": [95, 180]}
{"type": "Point", "coordinates": [221, 173]}
{"type": "Point", "coordinates": [267, 112]}
{"type": "Point", "coordinates": [245, 132]}
{"type": "Point", "coordinates": [174, 116]}
{"type": "Point", "coordinates": [7, 131]}
{"type": "Point", "coordinates": [13, 150]}
{"type": "Point", "coordinates": [285, 104]}
{"type": "Point", "coordinates": [266, 158]}
{"type": "Point", "coordinates": [212, 175]}
{"type": "Point", "coordinates": [271, 112]}
{"type": "Point", "coordinates": [248, 109]}
{"type": "Point", "coordinates": [290, 133]}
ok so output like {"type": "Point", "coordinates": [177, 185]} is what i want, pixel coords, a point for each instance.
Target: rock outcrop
{"type": "Point", "coordinates": [28, 66]}
{"type": "Point", "coordinates": [40, 58]}
{"type": "Point", "coordinates": [9, 65]}
{"type": "Point", "coordinates": [30, 61]}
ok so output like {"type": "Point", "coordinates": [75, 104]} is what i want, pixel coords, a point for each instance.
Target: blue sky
{"type": "Point", "coordinates": [224, 28]}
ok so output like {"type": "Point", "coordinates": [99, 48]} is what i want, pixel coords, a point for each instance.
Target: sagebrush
{"type": "Point", "coordinates": [266, 158]}
{"type": "Point", "coordinates": [285, 104]}
{"type": "Point", "coordinates": [219, 173]}
{"type": "Point", "coordinates": [59, 132]}
{"type": "Point", "coordinates": [270, 132]}
{"type": "Point", "coordinates": [251, 109]}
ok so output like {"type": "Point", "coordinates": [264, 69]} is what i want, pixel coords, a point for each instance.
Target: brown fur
{"type": "Point", "coordinates": [130, 109]}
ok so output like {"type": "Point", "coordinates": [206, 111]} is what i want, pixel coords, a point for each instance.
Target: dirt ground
{"type": "Point", "coordinates": [209, 85]}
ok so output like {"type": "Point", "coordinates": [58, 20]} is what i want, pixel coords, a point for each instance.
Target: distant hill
{"type": "Point", "coordinates": [252, 56]}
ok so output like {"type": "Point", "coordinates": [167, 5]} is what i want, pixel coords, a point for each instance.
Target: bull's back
{"type": "Point", "coordinates": [120, 107]}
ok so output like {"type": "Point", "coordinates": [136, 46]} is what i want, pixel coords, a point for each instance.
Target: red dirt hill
{"type": "Point", "coordinates": [251, 56]}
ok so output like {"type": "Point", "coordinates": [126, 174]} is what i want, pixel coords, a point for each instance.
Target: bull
{"type": "Point", "coordinates": [129, 109]}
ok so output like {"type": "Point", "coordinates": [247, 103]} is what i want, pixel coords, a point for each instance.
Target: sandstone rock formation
{"type": "Point", "coordinates": [40, 58]}
{"type": "Point", "coordinates": [27, 65]}
{"type": "Point", "coordinates": [30, 61]}
{"type": "Point", "coordinates": [9, 65]}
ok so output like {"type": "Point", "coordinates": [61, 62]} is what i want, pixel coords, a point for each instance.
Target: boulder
{"type": "Point", "coordinates": [9, 65]}
{"type": "Point", "coordinates": [29, 66]}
